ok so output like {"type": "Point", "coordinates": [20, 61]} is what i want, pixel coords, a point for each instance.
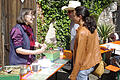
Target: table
{"type": "Point", "coordinates": [46, 72]}
{"type": "Point", "coordinates": [110, 47]}
{"type": "Point", "coordinates": [105, 50]}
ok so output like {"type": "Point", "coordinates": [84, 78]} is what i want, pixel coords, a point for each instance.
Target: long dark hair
{"type": "Point", "coordinates": [23, 12]}
{"type": "Point", "coordinates": [89, 21]}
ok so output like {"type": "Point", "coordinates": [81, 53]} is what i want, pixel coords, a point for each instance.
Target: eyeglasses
{"type": "Point", "coordinates": [30, 15]}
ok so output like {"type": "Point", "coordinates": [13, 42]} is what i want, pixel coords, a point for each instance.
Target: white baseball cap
{"type": "Point", "coordinates": [72, 5]}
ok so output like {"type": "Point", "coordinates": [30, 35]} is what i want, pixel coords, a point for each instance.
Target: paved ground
{"type": "Point", "coordinates": [62, 74]}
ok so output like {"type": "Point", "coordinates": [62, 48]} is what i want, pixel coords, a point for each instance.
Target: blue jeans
{"type": "Point", "coordinates": [83, 74]}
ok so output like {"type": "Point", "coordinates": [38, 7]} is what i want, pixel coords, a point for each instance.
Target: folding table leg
{"type": "Point", "coordinates": [56, 75]}
{"type": "Point", "coordinates": [103, 56]}
{"type": "Point", "coordinates": [118, 75]}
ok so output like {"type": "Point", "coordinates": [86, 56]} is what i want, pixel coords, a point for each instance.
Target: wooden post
{"type": "Point", "coordinates": [3, 33]}
{"type": "Point", "coordinates": [3, 52]}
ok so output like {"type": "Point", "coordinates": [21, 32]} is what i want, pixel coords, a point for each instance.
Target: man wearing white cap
{"type": "Point", "coordinates": [70, 8]}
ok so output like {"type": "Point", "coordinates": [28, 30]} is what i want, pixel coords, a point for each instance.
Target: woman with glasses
{"type": "Point", "coordinates": [22, 40]}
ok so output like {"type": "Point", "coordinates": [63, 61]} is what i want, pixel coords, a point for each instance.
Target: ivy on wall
{"type": "Point", "coordinates": [52, 12]}
{"type": "Point", "coordinates": [96, 6]}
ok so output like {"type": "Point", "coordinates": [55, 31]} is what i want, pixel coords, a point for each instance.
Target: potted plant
{"type": "Point", "coordinates": [104, 32]}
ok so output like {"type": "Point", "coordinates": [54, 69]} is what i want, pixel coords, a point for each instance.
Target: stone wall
{"type": "Point", "coordinates": [108, 15]}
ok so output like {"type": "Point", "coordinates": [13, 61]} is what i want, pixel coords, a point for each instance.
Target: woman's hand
{"type": "Point", "coordinates": [43, 48]}
{"type": "Point", "coordinates": [38, 45]}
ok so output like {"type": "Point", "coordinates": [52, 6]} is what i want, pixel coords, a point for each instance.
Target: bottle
{"type": "Point", "coordinates": [61, 53]}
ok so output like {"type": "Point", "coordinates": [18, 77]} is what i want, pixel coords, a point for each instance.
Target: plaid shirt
{"type": "Point", "coordinates": [30, 34]}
